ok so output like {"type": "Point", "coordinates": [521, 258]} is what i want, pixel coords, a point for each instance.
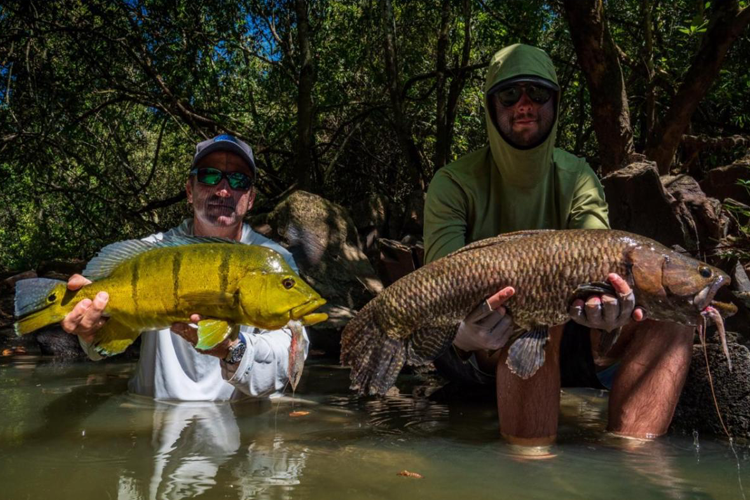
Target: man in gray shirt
{"type": "Point", "coordinates": [220, 190]}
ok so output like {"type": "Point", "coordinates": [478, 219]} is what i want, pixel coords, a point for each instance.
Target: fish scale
{"type": "Point", "coordinates": [415, 319]}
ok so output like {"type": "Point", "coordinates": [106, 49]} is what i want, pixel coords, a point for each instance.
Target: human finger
{"type": "Point", "coordinates": [619, 284]}
{"type": "Point", "coordinates": [76, 282]}
{"type": "Point", "coordinates": [593, 311]}
{"type": "Point", "coordinates": [501, 297]}
{"type": "Point", "coordinates": [491, 320]}
{"type": "Point", "coordinates": [481, 311]}
{"type": "Point", "coordinates": [576, 311]}
{"type": "Point", "coordinates": [610, 310]}
{"type": "Point", "coordinates": [73, 318]}
{"type": "Point", "coordinates": [501, 333]}
{"type": "Point", "coordinates": [639, 314]}
{"type": "Point", "coordinates": [91, 318]}
{"type": "Point", "coordinates": [195, 318]}
{"type": "Point", "coordinates": [185, 331]}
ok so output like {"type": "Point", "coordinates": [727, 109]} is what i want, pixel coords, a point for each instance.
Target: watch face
{"type": "Point", "coordinates": [235, 353]}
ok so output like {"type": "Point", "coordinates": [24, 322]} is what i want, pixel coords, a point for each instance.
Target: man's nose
{"type": "Point", "coordinates": [222, 188]}
{"type": "Point", "coordinates": [524, 103]}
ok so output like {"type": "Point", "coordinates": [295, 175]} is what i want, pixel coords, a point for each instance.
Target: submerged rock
{"type": "Point", "coordinates": [696, 410]}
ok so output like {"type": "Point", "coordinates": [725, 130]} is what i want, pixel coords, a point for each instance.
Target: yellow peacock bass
{"type": "Point", "coordinates": [154, 284]}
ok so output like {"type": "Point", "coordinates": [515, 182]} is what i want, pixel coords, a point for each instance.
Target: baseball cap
{"type": "Point", "coordinates": [225, 142]}
{"type": "Point", "coordinates": [538, 80]}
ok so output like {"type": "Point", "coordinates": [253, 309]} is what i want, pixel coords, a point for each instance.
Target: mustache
{"type": "Point", "coordinates": [221, 202]}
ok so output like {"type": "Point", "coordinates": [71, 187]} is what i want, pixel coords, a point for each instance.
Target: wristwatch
{"type": "Point", "coordinates": [236, 352]}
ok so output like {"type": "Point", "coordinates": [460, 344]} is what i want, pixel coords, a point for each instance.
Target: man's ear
{"type": "Point", "coordinates": [189, 190]}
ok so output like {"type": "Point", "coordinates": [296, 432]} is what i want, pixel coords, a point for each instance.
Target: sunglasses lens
{"type": "Point", "coordinates": [210, 176]}
{"type": "Point", "coordinates": [238, 180]}
{"type": "Point", "coordinates": [540, 95]}
{"type": "Point", "coordinates": [509, 96]}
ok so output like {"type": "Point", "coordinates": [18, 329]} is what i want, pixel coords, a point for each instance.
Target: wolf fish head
{"type": "Point", "coordinates": [672, 286]}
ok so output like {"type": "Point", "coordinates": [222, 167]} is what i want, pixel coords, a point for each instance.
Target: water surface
{"type": "Point", "coordinates": [72, 431]}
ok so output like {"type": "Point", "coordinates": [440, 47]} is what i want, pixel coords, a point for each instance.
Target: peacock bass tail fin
{"type": "Point", "coordinates": [38, 304]}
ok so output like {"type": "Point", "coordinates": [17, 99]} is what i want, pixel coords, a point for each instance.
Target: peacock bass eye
{"type": "Point", "coordinates": [705, 271]}
{"type": "Point", "coordinates": [288, 283]}
{"type": "Point", "coordinates": [52, 297]}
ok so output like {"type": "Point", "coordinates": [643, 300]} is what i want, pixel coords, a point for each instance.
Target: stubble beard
{"type": "Point", "coordinates": [218, 211]}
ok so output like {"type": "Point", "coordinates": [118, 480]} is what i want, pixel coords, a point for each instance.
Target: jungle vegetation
{"type": "Point", "coordinates": [102, 102]}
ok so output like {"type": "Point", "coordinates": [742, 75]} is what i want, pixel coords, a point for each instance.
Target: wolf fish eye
{"type": "Point", "coordinates": [288, 283]}
{"type": "Point", "coordinates": [705, 272]}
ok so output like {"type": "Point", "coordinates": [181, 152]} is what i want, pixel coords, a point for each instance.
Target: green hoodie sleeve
{"type": "Point", "coordinates": [445, 217]}
{"type": "Point", "coordinates": [589, 208]}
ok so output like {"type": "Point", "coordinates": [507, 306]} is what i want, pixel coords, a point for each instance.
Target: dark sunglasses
{"type": "Point", "coordinates": [509, 96]}
{"type": "Point", "coordinates": [212, 176]}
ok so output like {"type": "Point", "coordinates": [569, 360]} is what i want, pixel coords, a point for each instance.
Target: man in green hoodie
{"type": "Point", "coordinates": [521, 182]}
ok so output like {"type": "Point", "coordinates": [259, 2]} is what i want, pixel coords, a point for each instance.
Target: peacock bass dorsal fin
{"type": "Point", "coordinates": [112, 256]}
{"type": "Point", "coordinates": [499, 240]}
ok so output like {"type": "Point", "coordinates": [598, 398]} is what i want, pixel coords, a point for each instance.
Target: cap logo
{"type": "Point", "coordinates": [226, 138]}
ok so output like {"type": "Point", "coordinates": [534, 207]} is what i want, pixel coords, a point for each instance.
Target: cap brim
{"type": "Point", "coordinates": [229, 147]}
{"type": "Point", "coordinates": [538, 80]}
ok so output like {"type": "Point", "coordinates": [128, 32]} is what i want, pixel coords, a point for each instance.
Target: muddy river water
{"type": "Point", "coordinates": [72, 431]}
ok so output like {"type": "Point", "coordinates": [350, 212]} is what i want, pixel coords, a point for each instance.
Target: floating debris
{"type": "Point", "coordinates": [415, 475]}
{"type": "Point", "coordinates": [299, 413]}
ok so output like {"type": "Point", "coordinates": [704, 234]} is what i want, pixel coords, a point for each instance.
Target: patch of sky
{"type": "Point", "coordinates": [258, 30]}
{"type": "Point", "coordinates": [4, 70]}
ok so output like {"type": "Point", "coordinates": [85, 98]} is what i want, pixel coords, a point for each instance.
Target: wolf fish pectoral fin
{"type": "Point", "coordinates": [114, 337]}
{"type": "Point", "coordinates": [213, 331]}
{"type": "Point", "coordinates": [526, 354]}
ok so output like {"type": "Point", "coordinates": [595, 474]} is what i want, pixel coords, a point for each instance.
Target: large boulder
{"type": "Point", "coordinates": [639, 203]}
{"type": "Point", "coordinates": [324, 242]}
{"type": "Point", "coordinates": [722, 183]}
{"type": "Point", "coordinates": [671, 209]}
{"type": "Point", "coordinates": [700, 215]}
{"type": "Point", "coordinates": [696, 410]}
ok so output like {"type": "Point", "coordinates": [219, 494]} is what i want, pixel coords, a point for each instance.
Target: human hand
{"type": "Point", "coordinates": [607, 312]}
{"type": "Point", "coordinates": [86, 317]}
{"type": "Point", "coordinates": [190, 334]}
{"type": "Point", "coordinates": [487, 326]}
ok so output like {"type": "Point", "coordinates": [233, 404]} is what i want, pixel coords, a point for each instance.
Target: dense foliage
{"type": "Point", "coordinates": [101, 102]}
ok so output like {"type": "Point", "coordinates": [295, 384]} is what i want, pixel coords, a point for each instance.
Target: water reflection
{"type": "Point", "coordinates": [74, 432]}
{"type": "Point", "coordinates": [192, 442]}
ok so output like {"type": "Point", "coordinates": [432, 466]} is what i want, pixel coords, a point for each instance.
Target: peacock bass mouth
{"type": "Point", "coordinates": [305, 315]}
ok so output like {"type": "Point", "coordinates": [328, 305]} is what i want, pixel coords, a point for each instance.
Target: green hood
{"type": "Point", "coordinates": [498, 188]}
{"type": "Point", "coordinates": [520, 167]}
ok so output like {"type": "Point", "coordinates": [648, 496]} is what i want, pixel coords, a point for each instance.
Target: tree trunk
{"type": "Point", "coordinates": [726, 25]}
{"type": "Point", "coordinates": [304, 164]}
{"type": "Point", "coordinates": [400, 123]}
{"type": "Point", "coordinates": [442, 65]}
{"type": "Point", "coordinates": [448, 105]}
{"type": "Point", "coordinates": [598, 58]}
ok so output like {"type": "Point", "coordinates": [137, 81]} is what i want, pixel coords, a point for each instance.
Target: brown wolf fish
{"type": "Point", "coordinates": [415, 319]}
